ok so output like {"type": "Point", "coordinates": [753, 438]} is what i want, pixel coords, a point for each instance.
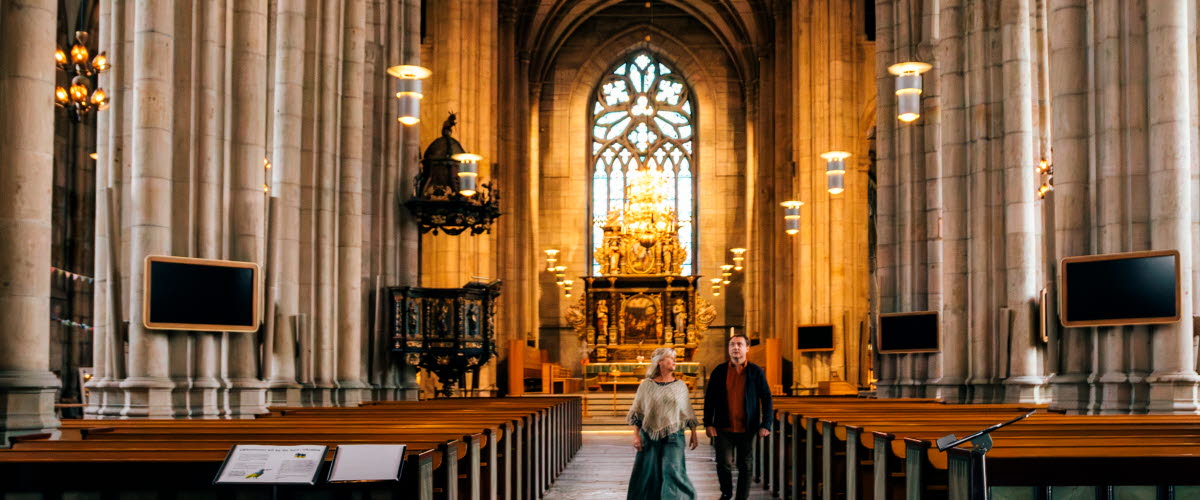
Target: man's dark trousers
{"type": "Point", "coordinates": [734, 451]}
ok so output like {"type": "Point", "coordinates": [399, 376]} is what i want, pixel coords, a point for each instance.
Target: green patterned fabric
{"type": "Point", "coordinates": [659, 471]}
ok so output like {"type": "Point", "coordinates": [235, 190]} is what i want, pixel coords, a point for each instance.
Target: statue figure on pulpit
{"type": "Point", "coordinates": [601, 322]}
{"type": "Point", "coordinates": [680, 311]}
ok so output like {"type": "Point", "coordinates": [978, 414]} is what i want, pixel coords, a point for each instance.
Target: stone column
{"type": "Point", "coordinates": [953, 184]}
{"type": "Point", "coordinates": [325, 314]}
{"type": "Point", "coordinates": [27, 388]}
{"type": "Point", "coordinates": [1173, 384]}
{"type": "Point", "coordinates": [350, 208]}
{"type": "Point", "coordinates": [99, 387]}
{"type": "Point", "coordinates": [209, 207]}
{"type": "Point", "coordinates": [408, 243]}
{"type": "Point", "coordinates": [147, 388]}
{"type": "Point", "coordinates": [1068, 60]}
{"type": "Point", "coordinates": [1112, 394]}
{"type": "Point", "coordinates": [247, 394]}
{"type": "Point", "coordinates": [1024, 382]}
{"type": "Point", "coordinates": [885, 219]}
{"type": "Point", "coordinates": [285, 185]}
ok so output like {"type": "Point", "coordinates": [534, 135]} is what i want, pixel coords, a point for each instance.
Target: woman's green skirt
{"type": "Point", "coordinates": [659, 471]}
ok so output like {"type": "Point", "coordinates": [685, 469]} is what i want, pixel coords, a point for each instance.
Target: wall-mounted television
{"type": "Point", "coordinates": [1135, 288]}
{"type": "Point", "coordinates": [909, 332]}
{"type": "Point", "coordinates": [814, 338]}
{"type": "Point", "coordinates": [183, 293]}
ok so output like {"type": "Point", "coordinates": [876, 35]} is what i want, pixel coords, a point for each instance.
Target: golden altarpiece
{"type": "Point", "coordinates": [640, 301]}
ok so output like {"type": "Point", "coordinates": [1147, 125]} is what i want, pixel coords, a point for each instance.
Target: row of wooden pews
{"type": "Point", "coordinates": [470, 448]}
{"type": "Point", "coordinates": [834, 448]}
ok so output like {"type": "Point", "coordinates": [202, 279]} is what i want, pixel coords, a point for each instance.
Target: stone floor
{"type": "Point", "coordinates": [601, 470]}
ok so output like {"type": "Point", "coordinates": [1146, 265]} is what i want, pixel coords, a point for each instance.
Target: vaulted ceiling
{"type": "Point", "coordinates": [743, 27]}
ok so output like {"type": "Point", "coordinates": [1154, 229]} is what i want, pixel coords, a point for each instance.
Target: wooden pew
{"type": "Point", "coordinates": [473, 443]}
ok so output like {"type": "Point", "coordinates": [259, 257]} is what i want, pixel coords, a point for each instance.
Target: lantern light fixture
{"type": "Point", "coordinates": [835, 170]}
{"type": "Point", "coordinates": [739, 256]}
{"type": "Point", "coordinates": [551, 258]}
{"type": "Point", "coordinates": [409, 91]}
{"type": "Point", "coordinates": [908, 88]}
{"type": "Point", "coordinates": [1046, 170]}
{"type": "Point", "coordinates": [468, 172]}
{"type": "Point", "coordinates": [791, 216]}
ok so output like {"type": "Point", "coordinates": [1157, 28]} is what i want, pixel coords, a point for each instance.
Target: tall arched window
{"type": "Point", "coordinates": [643, 117]}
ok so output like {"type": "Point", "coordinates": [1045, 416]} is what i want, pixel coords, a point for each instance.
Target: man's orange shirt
{"type": "Point", "coordinates": [735, 394]}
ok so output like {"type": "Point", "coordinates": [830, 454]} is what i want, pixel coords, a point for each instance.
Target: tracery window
{"type": "Point", "coordinates": [643, 117]}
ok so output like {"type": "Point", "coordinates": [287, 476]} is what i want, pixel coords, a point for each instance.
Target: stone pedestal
{"type": "Point", "coordinates": [147, 397]}
{"type": "Point", "coordinates": [27, 403]}
{"type": "Point", "coordinates": [1026, 389]}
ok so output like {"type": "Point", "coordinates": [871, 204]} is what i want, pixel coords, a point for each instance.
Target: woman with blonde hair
{"type": "Point", "coordinates": [660, 411]}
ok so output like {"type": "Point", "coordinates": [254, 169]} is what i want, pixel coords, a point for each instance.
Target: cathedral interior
{"type": "Point", "coordinates": [213, 208]}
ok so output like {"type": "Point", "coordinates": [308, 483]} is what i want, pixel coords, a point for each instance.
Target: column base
{"type": "Point", "coordinates": [247, 398]}
{"type": "Point", "coordinates": [100, 393]}
{"type": "Point", "coordinates": [986, 392]}
{"type": "Point", "coordinates": [27, 404]}
{"type": "Point", "coordinates": [181, 397]}
{"type": "Point", "coordinates": [1114, 394]}
{"type": "Point", "coordinates": [205, 396]}
{"type": "Point", "coordinates": [1069, 393]}
{"type": "Point", "coordinates": [1025, 389]}
{"type": "Point", "coordinates": [886, 391]}
{"type": "Point", "coordinates": [147, 397]}
{"type": "Point", "coordinates": [1174, 393]}
{"type": "Point", "coordinates": [317, 396]}
{"type": "Point", "coordinates": [349, 392]}
{"type": "Point", "coordinates": [284, 393]}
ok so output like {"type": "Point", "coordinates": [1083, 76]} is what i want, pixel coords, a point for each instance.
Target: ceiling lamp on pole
{"type": "Point", "coordinates": [551, 258]}
{"type": "Point", "coordinates": [791, 215]}
{"type": "Point", "coordinates": [409, 91]}
{"type": "Point", "coordinates": [835, 170]}
{"type": "Point", "coordinates": [908, 88]}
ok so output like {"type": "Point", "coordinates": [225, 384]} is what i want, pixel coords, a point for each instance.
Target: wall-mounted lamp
{"type": "Point", "coordinates": [739, 256]}
{"type": "Point", "coordinates": [791, 216]}
{"type": "Point", "coordinates": [716, 286]}
{"type": "Point", "coordinates": [835, 170]}
{"type": "Point", "coordinates": [560, 273]}
{"type": "Point", "coordinates": [1046, 170]}
{"type": "Point", "coordinates": [726, 272]}
{"type": "Point", "coordinates": [908, 88]}
{"type": "Point", "coordinates": [409, 91]}
{"type": "Point", "coordinates": [551, 258]}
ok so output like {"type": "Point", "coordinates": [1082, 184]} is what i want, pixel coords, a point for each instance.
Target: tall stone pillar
{"type": "Point", "coordinates": [350, 209]}
{"type": "Point", "coordinates": [147, 387]}
{"type": "Point", "coordinates": [1068, 60]}
{"type": "Point", "coordinates": [953, 184]}
{"type": "Point", "coordinates": [247, 394]}
{"type": "Point", "coordinates": [1173, 384]}
{"type": "Point", "coordinates": [285, 183]}
{"type": "Point", "coordinates": [408, 237]}
{"type": "Point", "coordinates": [27, 388]}
{"type": "Point", "coordinates": [209, 205]}
{"type": "Point", "coordinates": [1024, 382]}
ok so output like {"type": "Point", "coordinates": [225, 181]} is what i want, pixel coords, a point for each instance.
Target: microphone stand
{"type": "Point", "coordinates": [981, 442]}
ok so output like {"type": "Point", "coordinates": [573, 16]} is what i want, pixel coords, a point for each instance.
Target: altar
{"type": "Point", "coordinates": [640, 301]}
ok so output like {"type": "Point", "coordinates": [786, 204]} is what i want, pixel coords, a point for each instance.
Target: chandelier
{"type": "Point", "coordinates": [79, 98]}
{"type": "Point", "coordinates": [648, 215]}
{"type": "Point", "coordinates": [449, 197]}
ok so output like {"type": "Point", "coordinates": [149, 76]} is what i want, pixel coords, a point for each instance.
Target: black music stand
{"type": "Point", "coordinates": [981, 442]}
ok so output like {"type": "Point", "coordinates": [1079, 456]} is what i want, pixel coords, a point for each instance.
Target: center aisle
{"type": "Point", "coordinates": [601, 469]}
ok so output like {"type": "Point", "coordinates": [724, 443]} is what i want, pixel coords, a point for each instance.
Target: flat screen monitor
{"type": "Point", "coordinates": [814, 338]}
{"type": "Point", "coordinates": [909, 332]}
{"type": "Point", "coordinates": [199, 294]}
{"type": "Point", "coordinates": [1135, 288]}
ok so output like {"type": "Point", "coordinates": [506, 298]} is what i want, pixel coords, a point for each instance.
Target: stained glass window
{"type": "Point", "coordinates": [642, 117]}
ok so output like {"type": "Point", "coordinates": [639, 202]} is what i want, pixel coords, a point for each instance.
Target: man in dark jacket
{"type": "Point", "coordinates": [737, 409]}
